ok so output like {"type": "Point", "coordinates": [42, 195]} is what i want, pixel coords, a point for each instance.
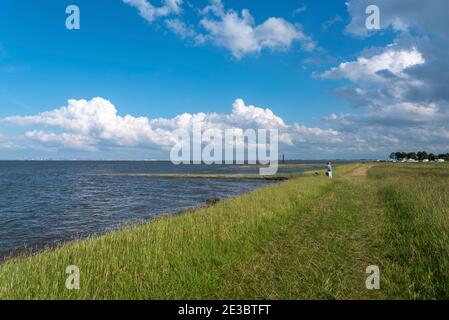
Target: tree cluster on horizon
{"type": "Point", "coordinates": [420, 155]}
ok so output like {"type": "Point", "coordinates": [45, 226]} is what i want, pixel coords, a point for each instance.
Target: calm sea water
{"type": "Point", "coordinates": [43, 203]}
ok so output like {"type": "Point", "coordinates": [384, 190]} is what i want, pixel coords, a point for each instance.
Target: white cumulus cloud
{"type": "Point", "coordinates": [244, 115]}
{"type": "Point", "coordinates": [91, 124]}
{"type": "Point", "coordinates": [237, 32]}
{"type": "Point", "coordinates": [241, 35]}
{"type": "Point", "coordinates": [372, 69]}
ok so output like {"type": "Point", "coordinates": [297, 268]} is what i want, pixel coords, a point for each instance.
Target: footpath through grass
{"type": "Point", "coordinates": [322, 252]}
{"type": "Point", "coordinates": [308, 238]}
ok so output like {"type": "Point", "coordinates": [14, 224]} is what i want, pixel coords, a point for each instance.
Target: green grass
{"type": "Point", "coordinates": [322, 253]}
{"type": "Point", "coordinates": [417, 229]}
{"type": "Point", "coordinates": [306, 238]}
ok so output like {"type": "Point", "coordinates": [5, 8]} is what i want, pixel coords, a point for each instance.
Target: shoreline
{"type": "Point", "coordinates": [26, 254]}
{"type": "Point", "coordinates": [277, 177]}
{"type": "Point", "coordinates": [229, 222]}
{"type": "Point", "coordinates": [306, 238]}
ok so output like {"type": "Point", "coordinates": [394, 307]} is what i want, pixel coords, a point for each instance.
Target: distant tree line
{"type": "Point", "coordinates": [420, 155]}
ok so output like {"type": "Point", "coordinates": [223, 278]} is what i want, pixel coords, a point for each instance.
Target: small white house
{"type": "Point", "coordinates": [440, 160]}
{"type": "Point", "coordinates": [426, 160]}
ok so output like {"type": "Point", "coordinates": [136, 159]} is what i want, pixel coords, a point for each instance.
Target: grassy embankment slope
{"type": "Point", "coordinates": [305, 238]}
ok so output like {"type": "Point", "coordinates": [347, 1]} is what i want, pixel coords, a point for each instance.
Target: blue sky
{"type": "Point", "coordinates": [145, 69]}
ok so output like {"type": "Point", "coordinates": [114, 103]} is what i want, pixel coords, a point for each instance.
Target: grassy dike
{"type": "Point", "coordinates": [304, 238]}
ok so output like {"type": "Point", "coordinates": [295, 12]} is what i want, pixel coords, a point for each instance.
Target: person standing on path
{"type": "Point", "coordinates": [330, 170]}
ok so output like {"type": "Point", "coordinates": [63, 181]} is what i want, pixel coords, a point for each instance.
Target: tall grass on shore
{"type": "Point", "coordinates": [306, 238]}
{"type": "Point", "coordinates": [185, 256]}
{"type": "Point", "coordinates": [321, 253]}
{"type": "Point", "coordinates": [395, 217]}
{"type": "Point", "coordinates": [416, 236]}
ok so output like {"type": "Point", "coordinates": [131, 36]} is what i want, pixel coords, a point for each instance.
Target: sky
{"type": "Point", "coordinates": [136, 70]}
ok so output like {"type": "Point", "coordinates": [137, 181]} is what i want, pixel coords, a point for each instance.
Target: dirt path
{"type": "Point", "coordinates": [323, 252]}
{"type": "Point", "coordinates": [360, 172]}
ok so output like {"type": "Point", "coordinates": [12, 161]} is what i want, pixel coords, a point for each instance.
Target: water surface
{"type": "Point", "coordinates": [43, 203]}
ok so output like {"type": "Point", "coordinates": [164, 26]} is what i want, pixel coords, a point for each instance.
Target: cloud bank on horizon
{"type": "Point", "coordinates": [400, 92]}
{"type": "Point", "coordinates": [92, 124]}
